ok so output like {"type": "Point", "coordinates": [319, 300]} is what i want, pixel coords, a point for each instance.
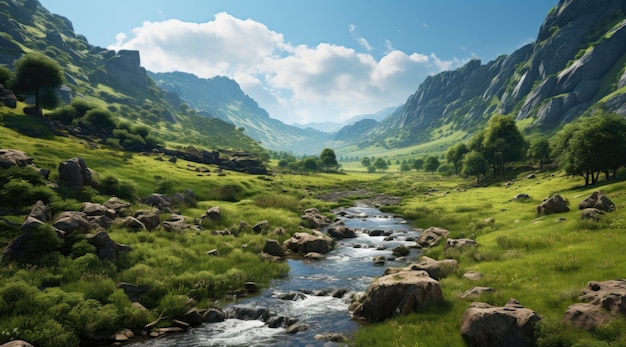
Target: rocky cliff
{"type": "Point", "coordinates": [576, 65]}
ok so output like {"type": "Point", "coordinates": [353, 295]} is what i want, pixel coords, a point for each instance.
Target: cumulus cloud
{"type": "Point", "coordinates": [294, 83]}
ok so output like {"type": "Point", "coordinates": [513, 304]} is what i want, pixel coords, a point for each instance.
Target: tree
{"type": "Point", "coordinates": [593, 145]}
{"type": "Point", "coordinates": [431, 164]}
{"type": "Point", "coordinates": [310, 164]}
{"type": "Point", "coordinates": [418, 164]}
{"type": "Point", "coordinates": [34, 73]}
{"type": "Point", "coordinates": [328, 160]}
{"type": "Point", "coordinates": [502, 142]}
{"type": "Point", "coordinates": [539, 151]}
{"type": "Point", "coordinates": [455, 155]}
{"type": "Point", "coordinates": [366, 161]}
{"type": "Point", "coordinates": [380, 164]}
{"type": "Point", "coordinates": [474, 164]}
{"type": "Point", "coordinates": [404, 167]}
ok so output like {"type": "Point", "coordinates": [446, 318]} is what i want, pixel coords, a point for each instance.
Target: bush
{"type": "Point", "coordinates": [114, 187]}
{"type": "Point", "coordinates": [65, 114]}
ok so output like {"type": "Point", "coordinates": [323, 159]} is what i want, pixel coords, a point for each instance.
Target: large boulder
{"type": "Point", "coordinates": [598, 201]}
{"type": "Point", "coordinates": [74, 173]}
{"type": "Point", "coordinates": [213, 214]}
{"type": "Point", "coordinates": [400, 293]}
{"type": "Point", "coordinates": [119, 206]}
{"type": "Point", "coordinates": [460, 243]}
{"type": "Point", "coordinates": [602, 303]}
{"type": "Point", "coordinates": [554, 204]}
{"type": "Point", "coordinates": [304, 243]}
{"type": "Point", "coordinates": [432, 236]}
{"type": "Point", "coordinates": [511, 325]}
{"type": "Point", "coordinates": [92, 210]}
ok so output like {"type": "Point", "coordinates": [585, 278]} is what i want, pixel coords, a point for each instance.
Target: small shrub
{"type": "Point", "coordinates": [114, 187]}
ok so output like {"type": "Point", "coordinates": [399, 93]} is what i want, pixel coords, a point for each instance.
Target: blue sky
{"type": "Point", "coordinates": [310, 60]}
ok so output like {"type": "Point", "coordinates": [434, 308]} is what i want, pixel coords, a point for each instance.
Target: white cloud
{"type": "Point", "coordinates": [294, 83]}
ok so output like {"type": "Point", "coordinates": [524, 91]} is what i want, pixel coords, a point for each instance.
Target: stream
{"type": "Point", "coordinates": [346, 267]}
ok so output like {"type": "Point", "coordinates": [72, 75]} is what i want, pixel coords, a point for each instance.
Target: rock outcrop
{"type": "Point", "coordinates": [602, 302]}
{"type": "Point", "coordinates": [432, 236]}
{"type": "Point", "coordinates": [598, 201]}
{"type": "Point", "coordinates": [74, 173]}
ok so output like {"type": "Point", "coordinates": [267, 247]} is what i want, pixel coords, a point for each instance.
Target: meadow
{"type": "Point", "coordinates": [541, 262]}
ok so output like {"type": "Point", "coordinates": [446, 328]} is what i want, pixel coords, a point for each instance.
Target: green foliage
{"type": "Point", "coordinates": [380, 164]}
{"type": "Point", "coordinates": [114, 187]}
{"type": "Point", "coordinates": [35, 72]}
{"type": "Point", "coordinates": [431, 164]}
{"type": "Point", "coordinates": [474, 164]}
{"type": "Point", "coordinates": [455, 155]}
{"type": "Point", "coordinates": [328, 159]}
{"type": "Point", "coordinates": [98, 120]}
{"type": "Point", "coordinates": [539, 151]}
{"type": "Point", "coordinates": [5, 75]}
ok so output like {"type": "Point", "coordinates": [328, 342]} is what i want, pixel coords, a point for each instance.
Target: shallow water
{"type": "Point", "coordinates": [345, 267]}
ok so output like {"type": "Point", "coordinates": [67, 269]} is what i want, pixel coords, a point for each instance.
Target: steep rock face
{"type": "Point", "coordinates": [576, 62]}
{"type": "Point", "coordinates": [125, 69]}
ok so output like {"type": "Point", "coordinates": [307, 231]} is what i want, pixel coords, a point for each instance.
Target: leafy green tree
{"type": "Point", "coordinates": [35, 72]}
{"type": "Point", "coordinates": [381, 164]}
{"type": "Point", "coordinates": [366, 162]}
{"type": "Point", "coordinates": [539, 151]}
{"type": "Point", "coordinates": [455, 155]}
{"type": "Point", "coordinates": [405, 167]}
{"type": "Point", "coordinates": [310, 164]}
{"type": "Point", "coordinates": [431, 164]}
{"type": "Point", "coordinates": [474, 164]}
{"type": "Point", "coordinates": [5, 75]}
{"type": "Point", "coordinates": [418, 164]}
{"type": "Point", "coordinates": [328, 159]}
{"type": "Point", "coordinates": [593, 145]}
{"type": "Point", "coordinates": [502, 143]}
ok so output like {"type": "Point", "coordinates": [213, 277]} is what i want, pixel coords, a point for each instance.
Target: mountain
{"type": "Point", "coordinates": [222, 98]}
{"type": "Point", "coordinates": [576, 66]}
{"type": "Point", "coordinates": [333, 127]}
{"type": "Point", "coordinates": [113, 81]}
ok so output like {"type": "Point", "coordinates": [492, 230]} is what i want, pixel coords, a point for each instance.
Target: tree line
{"type": "Point", "coordinates": [586, 147]}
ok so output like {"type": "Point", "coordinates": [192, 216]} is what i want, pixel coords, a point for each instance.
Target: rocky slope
{"type": "Point", "coordinates": [575, 66]}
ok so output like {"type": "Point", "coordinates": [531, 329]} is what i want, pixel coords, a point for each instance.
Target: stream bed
{"type": "Point", "coordinates": [349, 267]}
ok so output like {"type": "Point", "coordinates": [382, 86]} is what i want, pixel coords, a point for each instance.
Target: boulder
{"type": "Point", "coordinates": [610, 295]}
{"type": "Point", "coordinates": [311, 218]}
{"type": "Point", "coordinates": [460, 243]}
{"type": "Point", "coordinates": [591, 213]}
{"type": "Point", "coordinates": [131, 223]}
{"type": "Point", "coordinates": [587, 316]}
{"type": "Point", "coordinates": [214, 315]}
{"type": "Point", "coordinates": [16, 343]}
{"type": "Point", "coordinates": [598, 201]}
{"type": "Point", "coordinates": [160, 201]}
{"type": "Point", "coordinates": [314, 256]}
{"type": "Point", "coordinates": [296, 328]}
{"type": "Point", "coordinates": [119, 206]}
{"type": "Point", "coordinates": [192, 317]}
{"type": "Point", "coordinates": [105, 247]}
{"type": "Point", "coordinates": [100, 222]}
{"type": "Point", "coordinates": [175, 222]}
{"type": "Point", "coordinates": [400, 293]}
{"type": "Point", "coordinates": [511, 325]}
{"type": "Point", "coordinates": [304, 243]}
{"type": "Point", "coordinates": [251, 287]}
{"type": "Point", "coordinates": [273, 248]}
{"type": "Point", "coordinates": [13, 157]}
{"type": "Point", "coordinates": [91, 209]}
{"type": "Point", "coordinates": [213, 214]}
{"type": "Point", "coordinates": [7, 97]}
{"type": "Point", "coordinates": [473, 275]}
{"type": "Point", "coordinates": [261, 227]}
{"type": "Point", "coordinates": [432, 236]}
{"type": "Point", "coordinates": [340, 232]}
{"type": "Point", "coordinates": [435, 268]}
{"type": "Point", "coordinates": [400, 251]}
{"type": "Point", "coordinates": [72, 221]}
{"type": "Point", "coordinates": [149, 218]}
{"type": "Point", "coordinates": [280, 322]}
{"type": "Point", "coordinates": [74, 173]}
{"type": "Point", "coordinates": [554, 204]}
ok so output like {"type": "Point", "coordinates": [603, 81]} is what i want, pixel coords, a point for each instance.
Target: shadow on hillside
{"type": "Point", "coordinates": [28, 125]}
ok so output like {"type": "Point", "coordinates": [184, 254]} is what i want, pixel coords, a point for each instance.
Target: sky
{"type": "Point", "coordinates": [310, 60]}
